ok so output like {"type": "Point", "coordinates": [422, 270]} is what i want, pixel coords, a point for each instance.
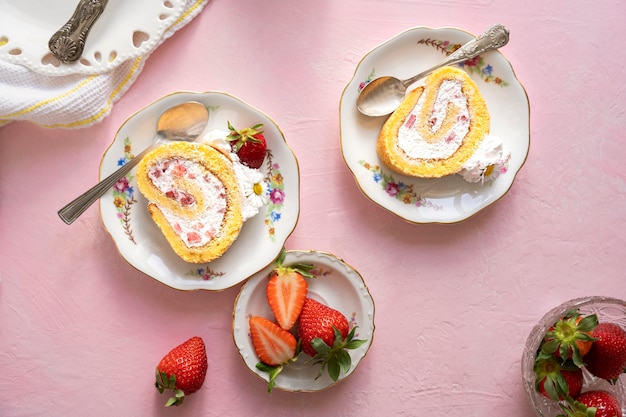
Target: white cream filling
{"type": "Point", "coordinates": [205, 224]}
{"type": "Point", "coordinates": [418, 147]}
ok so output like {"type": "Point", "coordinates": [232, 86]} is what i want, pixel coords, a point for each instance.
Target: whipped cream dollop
{"type": "Point", "coordinates": [487, 162]}
{"type": "Point", "coordinates": [436, 140]}
{"type": "Point", "coordinates": [251, 181]}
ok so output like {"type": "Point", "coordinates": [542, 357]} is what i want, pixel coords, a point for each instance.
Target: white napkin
{"type": "Point", "coordinates": [72, 101]}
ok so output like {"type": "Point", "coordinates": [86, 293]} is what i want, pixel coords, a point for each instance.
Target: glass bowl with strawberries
{"type": "Point", "coordinates": [305, 322]}
{"type": "Point", "coordinates": [575, 359]}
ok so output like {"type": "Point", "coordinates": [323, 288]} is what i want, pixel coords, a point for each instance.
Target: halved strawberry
{"type": "Point", "coordinates": [570, 337]}
{"type": "Point", "coordinates": [286, 290]}
{"type": "Point", "coordinates": [249, 144]}
{"type": "Point", "coordinates": [274, 346]}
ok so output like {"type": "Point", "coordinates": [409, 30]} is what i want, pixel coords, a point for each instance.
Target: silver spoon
{"type": "Point", "coordinates": [67, 43]}
{"type": "Point", "coordinates": [184, 122]}
{"type": "Point", "coordinates": [383, 95]}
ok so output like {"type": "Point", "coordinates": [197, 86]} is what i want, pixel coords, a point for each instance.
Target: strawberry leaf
{"type": "Point", "coordinates": [344, 360]}
{"type": "Point", "coordinates": [302, 268]}
{"type": "Point", "coordinates": [320, 346]}
{"type": "Point", "coordinates": [273, 372]}
{"type": "Point", "coordinates": [333, 370]}
{"type": "Point", "coordinates": [335, 359]}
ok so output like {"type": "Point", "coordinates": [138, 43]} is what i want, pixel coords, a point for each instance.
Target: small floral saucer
{"type": "Point", "coordinates": [449, 199]}
{"type": "Point", "coordinates": [338, 286]}
{"type": "Point", "coordinates": [139, 240]}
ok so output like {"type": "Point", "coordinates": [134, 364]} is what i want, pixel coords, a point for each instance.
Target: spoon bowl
{"type": "Point", "coordinates": [183, 122]}
{"type": "Point", "coordinates": [383, 95]}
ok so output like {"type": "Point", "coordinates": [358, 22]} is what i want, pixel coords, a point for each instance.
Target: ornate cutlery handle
{"type": "Point", "coordinates": [67, 43]}
{"type": "Point", "coordinates": [493, 38]}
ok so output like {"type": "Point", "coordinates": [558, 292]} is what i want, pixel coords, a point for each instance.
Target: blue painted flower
{"type": "Point", "coordinates": [488, 70]}
{"type": "Point", "coordinates": [121, 161]}
{"type": "Point", "coordinates": [275, 216]}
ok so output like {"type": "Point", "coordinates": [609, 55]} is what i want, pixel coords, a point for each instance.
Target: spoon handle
{"type": "Point", "coordinates": [75, 208]}
{"type": "Point", "coordinates": [493, 38]}
{"type": "Point", "coordinates": [67, 43]}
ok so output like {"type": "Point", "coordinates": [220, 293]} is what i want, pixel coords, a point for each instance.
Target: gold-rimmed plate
{"type": "Point", "coordinates": [141, 243]}
{"type": "Point", "coordinates": [443, 200]}
{"type": "Point", "coordinates": [337, 285]}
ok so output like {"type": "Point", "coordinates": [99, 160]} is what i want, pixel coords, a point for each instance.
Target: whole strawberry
{"type": "Point", "coordinates": [249, 144]}
{"type": "Point", "coordinates": [592, 404]}
{"type": "Point", "coordinates": [555, 380]}
{"type": "Point", "coordinates": [570, 337]}
{"type": "Point", "coordinates": [182, 370]}
{"type": "Point", "coordinates": [607, 357]}
{"type": "Point", "coordinates": [324, 335]}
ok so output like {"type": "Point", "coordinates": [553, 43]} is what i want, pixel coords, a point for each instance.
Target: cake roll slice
{"type": "Point", "coordinates": [194, 198]}
{"type": "Point", "coordinates": [437, 128]}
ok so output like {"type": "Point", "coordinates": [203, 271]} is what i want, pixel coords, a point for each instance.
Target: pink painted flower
{"type": "Point", "coordinates": [472, 62]}
{"type": "Point", "coordinates": [121, 185]}
{"type": "Point", "coordinates": [392, 188]}
{"type": "Point", "coordinates": [277, 196]}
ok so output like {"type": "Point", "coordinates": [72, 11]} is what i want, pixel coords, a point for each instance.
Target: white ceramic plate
{"type": "Point", "coordinates": [338, 286]}
{"type": "Point", "coordinates": [449, 199]}
{"type": "Point", "coordinates": [138, 238]}
{"type": "Point", "coordinates": [126, 29]}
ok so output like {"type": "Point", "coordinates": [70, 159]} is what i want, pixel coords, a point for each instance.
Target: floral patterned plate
{"type": "Point", "coordinates": [337, 285]}
{"type": "Point", "coordinates": [262, 237]}
{"type": "Point", "coordinates": [449, 199]}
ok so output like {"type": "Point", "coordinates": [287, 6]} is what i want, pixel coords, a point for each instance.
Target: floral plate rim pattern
{"type": "Point", "coordinates": [449, 199]}
{"type": "Point", "coordinates": [141, 244]}
{"type": "Point", "coordinates": [338, 285]}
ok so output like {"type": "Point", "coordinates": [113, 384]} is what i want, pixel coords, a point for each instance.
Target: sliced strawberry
{"type": "Point", "coordinates": [286, 290]}
{"type": "Point", "coordinates": [274, 346]}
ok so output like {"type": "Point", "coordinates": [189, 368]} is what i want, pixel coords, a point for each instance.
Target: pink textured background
{"type": "Point", "coordinates": [81, 330]}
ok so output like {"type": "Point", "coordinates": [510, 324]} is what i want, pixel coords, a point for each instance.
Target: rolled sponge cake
{"type": "Point", "coordinates": [193, 197]}
{"type": "Point", "coordinates": [437, 128]}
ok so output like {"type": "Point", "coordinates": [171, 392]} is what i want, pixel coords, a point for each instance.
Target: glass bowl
{"type": "Point", "coordinates": [608, 310]}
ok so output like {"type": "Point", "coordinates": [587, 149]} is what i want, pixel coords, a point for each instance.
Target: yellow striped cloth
{"type": "Point", "coordinates": [72, 101]}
